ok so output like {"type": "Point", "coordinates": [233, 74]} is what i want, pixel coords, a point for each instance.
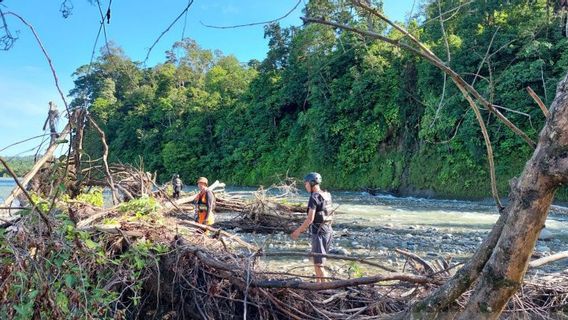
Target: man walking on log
{"type": "Point", "coordinates": [204, 203]}
{"type": "Point", "coordinates": [318, 221]}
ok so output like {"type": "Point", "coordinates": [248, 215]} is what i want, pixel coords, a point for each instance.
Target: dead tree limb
{"type": "Point", "coordinates": [105, 159]}
{"type": "Point", "coordinates": [530, 199]}
{"type": "Point", "coordinates": [298, 284]}
{"type": "Point", "coordinates": [426, 53]}
{"type": "Point", "coordinates": [539, 102]}
{"type": "Point", "coordinates": [363, 260]}
{"type": "Point", "coordinates": [551, 258]}
{"type": "Point", "coordinates": [427, 267]}
{"type": "Point", "coordinates": [21, 187]}
{"type": "Point", "coordinates": [464, 87]}
{"type": "Point", "coordinates": [29, 176]}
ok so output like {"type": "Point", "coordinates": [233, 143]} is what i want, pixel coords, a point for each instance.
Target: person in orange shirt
{"type": "Point", "coordinates": [204, 203]}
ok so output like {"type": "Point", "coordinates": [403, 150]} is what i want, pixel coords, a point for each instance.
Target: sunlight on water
{"type": "Point", "coordinates": [6, 185]}
{"type": "Point", "coordinates": [362, 209]}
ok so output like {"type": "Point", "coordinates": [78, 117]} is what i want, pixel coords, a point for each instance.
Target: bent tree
{"type": "Point", "coordinates": [500, 263]}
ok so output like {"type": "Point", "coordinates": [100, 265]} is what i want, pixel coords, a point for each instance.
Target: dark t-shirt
{"type": "Point", "coordinates": [320, 202]}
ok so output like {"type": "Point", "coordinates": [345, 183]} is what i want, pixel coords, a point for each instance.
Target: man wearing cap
{"type": "Point", "coordinates": [318, 221]}
{"type": "Point", "coordinates": [204, 203]}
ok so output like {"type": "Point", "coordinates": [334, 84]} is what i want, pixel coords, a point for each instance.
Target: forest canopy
{"type": "Point", "coordinates": [363, 113]}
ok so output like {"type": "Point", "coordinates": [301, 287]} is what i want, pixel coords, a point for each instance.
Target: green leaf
{"type": "Point", "coordinates": [70, 280]}
{"type": "Point", "coordinates": [91, 244]}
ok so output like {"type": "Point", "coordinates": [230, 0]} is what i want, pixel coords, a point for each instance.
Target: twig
{"type": "Point", "coordinates": [413, 256]}
{"type": "Point", "coordinates": [46, 57]}
{"type": "Point", "coordinates": [329, 256]}
{"type": "Point", "coordinates": [189, 3]}
{"type": "Point", "coordinates": [25, 140]}
{"type": "Point", "coordinates": [34, 206]}
{"type": "Point", "coordinates": [254, 23]}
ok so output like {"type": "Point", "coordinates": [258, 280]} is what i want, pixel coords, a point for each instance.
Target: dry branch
{"type": "Point", "coordinates": [21, 187]}
{"type": "Point", "coordinates": [105, 162]}
{"type": "Point", "coordinates": [548, 259]}
{"type": "Point", "coordinates": [37, 166]}
{"type": "Point", "coordinates": [539, 102]}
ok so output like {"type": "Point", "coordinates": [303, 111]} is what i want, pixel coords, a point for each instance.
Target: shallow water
{"type": "Point", "coordinates": [6, 185]}
{"type": "Point", "coordinates": [363, 209]}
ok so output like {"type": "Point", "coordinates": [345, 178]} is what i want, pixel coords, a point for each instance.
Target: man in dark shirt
{"type": "Point", "coordinates": [178, 185]}
{"type": "Point", "coordinates": [318, 221]}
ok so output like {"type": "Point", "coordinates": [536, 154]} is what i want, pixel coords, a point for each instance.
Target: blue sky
{"type": "Point", "coordinates": [26, 82]}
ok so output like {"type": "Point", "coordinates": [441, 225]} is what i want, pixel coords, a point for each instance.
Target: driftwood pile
{"type": "Point", "coordinates": [262, 214]}
{"type": "Point", "coordinates": [218, 276]}
{"type": "Point", "coordinates": [207, 276]}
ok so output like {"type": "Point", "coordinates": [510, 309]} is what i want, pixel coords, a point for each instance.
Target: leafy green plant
{"type": "Point", "coordinates": [141, 206]}
{"type": "Point", "coordinates": [94, 197]}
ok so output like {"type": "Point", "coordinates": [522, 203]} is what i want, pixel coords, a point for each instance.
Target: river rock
{"type": "Point", "coordinates": [542, 249]}
{"type": "Point", "coordinates": [545, 235]}
{"type": "Point", "coordinates": [447, 236]}
{"type": "Point", "coordinates": [339, 251]}
{"type": "Point", "coordinates": [354, 243]}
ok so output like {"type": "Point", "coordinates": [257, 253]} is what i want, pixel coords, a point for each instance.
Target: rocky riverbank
{"type": "Point", "coordinates": [379, 243]}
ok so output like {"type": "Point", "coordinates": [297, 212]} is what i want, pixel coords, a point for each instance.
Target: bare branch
{"type": "Point", "coordinates": [536, 98]}
{"type": "Point", "coordinates": [103, 22]}
{"type": "Point", "coordinates": [105, 157]}
{"type": "Point", "coordinates": [25, 140]}
{"type": "Point", "coordinates": [7, 40]}
{"type": "Point", "coordinates": [56, 79]}
{"type": "Point", "coordinates": [364, 260]}
{"type": "Point", "coordinates": [254, 23]}
{"type": "Point", "coordinates": [34, 206]}
{"type": "Point", "coordinates": [487, 55]}
{"type": "Point", "coordinates": [28, 177]}
{"type": "Point", "coordinates": [189, 3]}
{"type": "Point", "coordinates": [429, 55]}
{"type": "Point", "coordinates": [458, 80]}
{"type": "Point", "coordinates": [548, 259]}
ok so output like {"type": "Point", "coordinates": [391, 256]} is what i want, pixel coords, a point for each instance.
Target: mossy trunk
{"type": "Point", "coordinates": [530, 199]}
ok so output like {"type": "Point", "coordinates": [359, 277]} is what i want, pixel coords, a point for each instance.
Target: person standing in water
{"type": "Point", "coordinates": [318, 221]}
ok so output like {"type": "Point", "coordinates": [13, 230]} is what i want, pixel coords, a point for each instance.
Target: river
{"type": "Point", "coordinates": [6, 185]}
{"type": "Point", "coordinates": [374, 225]}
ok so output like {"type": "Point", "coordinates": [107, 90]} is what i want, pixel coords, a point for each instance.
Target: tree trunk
{"type": "Point", "coordinates": [530, 199]}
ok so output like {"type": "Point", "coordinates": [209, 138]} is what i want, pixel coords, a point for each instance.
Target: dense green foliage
{"type": "Point", "coordinates": [20, 166]}
{"type": "Point", "coordinates": [361, 112]}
